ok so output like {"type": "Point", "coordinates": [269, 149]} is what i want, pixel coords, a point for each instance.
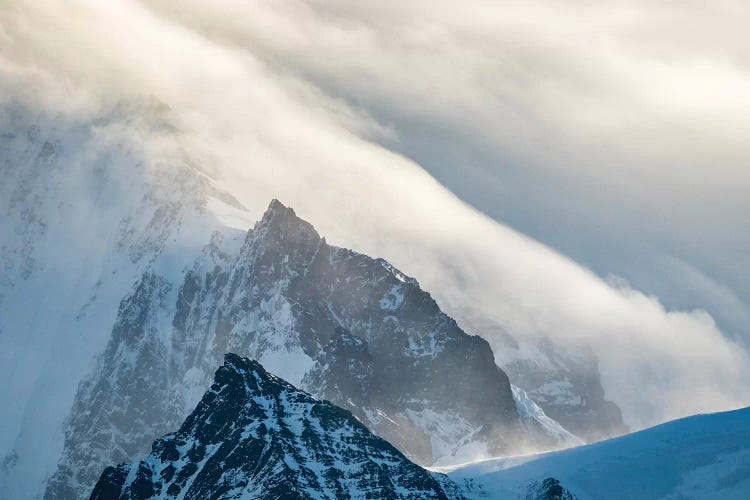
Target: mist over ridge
{"type": "Point", "coordinates": [261, 117]}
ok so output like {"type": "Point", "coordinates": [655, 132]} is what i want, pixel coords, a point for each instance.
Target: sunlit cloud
{"type": "Point", "coordinates": [265, 96]}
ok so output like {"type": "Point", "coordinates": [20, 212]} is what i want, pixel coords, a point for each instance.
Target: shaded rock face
{"type": "Point", "coordinates": [134, 394]}
{"type": "Point", "coordinates": [339, 324]}
{"type": "Point", "coordinates": [119, 428]}
{"type": "Point", "coordinates": [344, 371]}
{"type": "Point", "coordinates": [253, 435]}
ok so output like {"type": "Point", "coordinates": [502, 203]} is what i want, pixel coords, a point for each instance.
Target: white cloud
{"type": "Point", "coordinates": [254, 89]}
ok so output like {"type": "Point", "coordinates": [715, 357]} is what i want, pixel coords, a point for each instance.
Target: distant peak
{"type": "Point", "coordinates": [281, 222]}
{"type": "Point", "coordinates": [277, 205]}
{"type": "Point", "coordinates": [277, 212]}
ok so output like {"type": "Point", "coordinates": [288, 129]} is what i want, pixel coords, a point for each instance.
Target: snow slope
{"type": "Point", "coordinates": [533, 419]}
{"type": "Point", "coordinates": [699, 457]}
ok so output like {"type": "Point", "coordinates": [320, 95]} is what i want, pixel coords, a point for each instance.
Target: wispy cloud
{"type": "Point", "coordinates": [294, 100]}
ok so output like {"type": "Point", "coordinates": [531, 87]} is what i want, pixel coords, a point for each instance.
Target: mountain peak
{"type": "Point", "coordinates": [242, 364]}
{"type": "Point", "coordinates": [347, 328]}
{"type": "Point", "coordinates": [248, 376]}
{"type": "Point", "coordinates": [255, 436]}
{"type": "Point", "coordinates": [277, 212]}
{"type": "Point", "coordinates": [281, 224]}
{"type": "Point", "coordinates": [276, 205]}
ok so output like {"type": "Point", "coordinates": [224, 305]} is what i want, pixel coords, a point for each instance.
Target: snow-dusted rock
{"type": "Point", "coordinates": [88, 204]}
{"type": "Point", "coordinates": [563, 380]}
{"type": "Point", "coordinates": [343, 326]}
{"type": "Point", "coordinates": [535, 421]}
{"type": "Point", "coordinates": [104, 224]}
{"type": "Point", "coordinates": [254, 436]}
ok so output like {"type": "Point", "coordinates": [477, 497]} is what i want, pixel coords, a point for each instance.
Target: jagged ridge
{"type": "Point", "coordinates": [254, 435]}
{"type": "Point", "coordinates": [302, 308]}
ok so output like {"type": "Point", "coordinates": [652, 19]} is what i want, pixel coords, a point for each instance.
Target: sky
{"type": "Point", "coordinates": [572, 169]}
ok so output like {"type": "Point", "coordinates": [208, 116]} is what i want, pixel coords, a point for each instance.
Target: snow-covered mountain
{"type": "Point", "coordinates": [341, 325]}
{"type": "Point", "coordinates": [564, 380]}
{"type": "Point", "coordinates": [699, 457]}
{"type": "Point", "coordinates": [254, 436]}
{"type": "Point", "coordinates": [85, 209]}
{"type": "Point", "coordinates": [561, 378]}
{"type": "Point", "coordinates": [121, 289]}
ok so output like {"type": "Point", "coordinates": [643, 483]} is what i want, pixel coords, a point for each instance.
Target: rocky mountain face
{"type": "Point", "coordinates": [107, 206]}
{"type": "Point", "coordinates": [562, 379]}
{"type": "Point", "coordinates": [87, 205]}
{"type": "Point", "coordinates": [254, 436]}
{"type": "Point", "coordinates": [566, 384]}
{"type": "Point", "coordinates": [537, 424]}
{"type": "Point", "coordinates": [341, 325]}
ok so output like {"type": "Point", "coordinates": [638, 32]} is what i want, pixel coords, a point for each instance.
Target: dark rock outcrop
{"type": "Point", "coordinates": [549, 489]}
{"type": "Point", "coordinates": [255, 436]}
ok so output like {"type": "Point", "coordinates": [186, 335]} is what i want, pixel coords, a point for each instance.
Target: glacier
{"type": "Point", "coordinates": [703, 457]}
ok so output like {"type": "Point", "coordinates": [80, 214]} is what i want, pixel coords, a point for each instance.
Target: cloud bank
{"type": "Point", "coordinates": [613, 131]}
{"type": "Point", "coordinates": [310, 103]}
